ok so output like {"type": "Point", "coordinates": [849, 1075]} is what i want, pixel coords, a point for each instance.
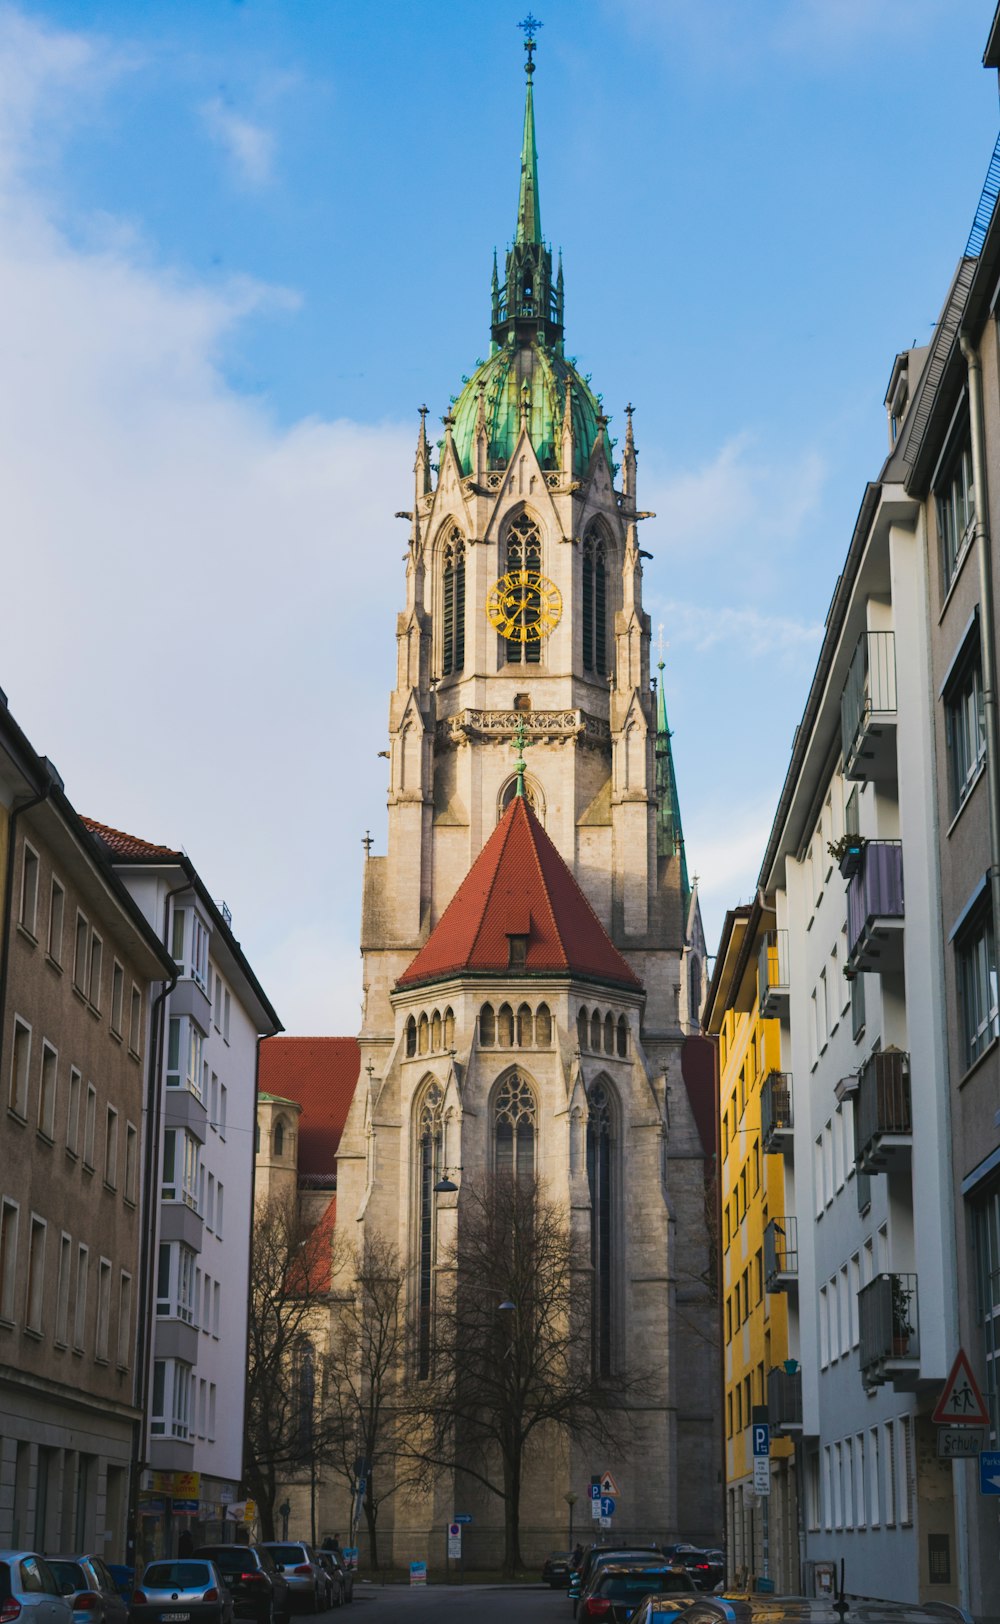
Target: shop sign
{"type": "Point", "coordinates": [187, 1485]}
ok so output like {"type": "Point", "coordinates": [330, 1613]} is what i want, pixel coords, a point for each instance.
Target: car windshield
{"type": "Point", "coordinates": [621, 1586]}
{"type": "Point", "coordinates": [69, 1573]}
{"type": "Point", "coordinates": [288, 1553]}
{"type": "Point", "coordinates": [176, 1576]}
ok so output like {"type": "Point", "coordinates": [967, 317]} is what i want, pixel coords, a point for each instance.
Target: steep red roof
{"type": "Point", "coordinates": [124, 845]}
{"type": "Point", "coordinates": [519, 886]}
{"type": "Point", "coordinates": [321, 1074]}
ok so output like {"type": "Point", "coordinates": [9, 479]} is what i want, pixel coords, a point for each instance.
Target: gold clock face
{"type": "Point", "coordinates": [524, 606]}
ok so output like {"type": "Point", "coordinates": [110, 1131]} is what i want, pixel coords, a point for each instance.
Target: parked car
{"type": "Point", "coordinates": [184, 1590]}
{"type": "Point", "coordinates": [557, 1569]}
{"type": "Point", "coordinates": [706, 1568]}
{"type": "Point", "coordinates": [90, 1589]}
{"type": "Point", "coordinates": [617, 1590]}
{"type": "Point", "coordinates": [693, 1609]}
{"type": "Point", "coordinates": [258, 1590]}
{"type": "Point", "coordinates": [29, 1591]}
{"type": "Point", "coordinates": [124, 1578]}
{"type": "Point", "coordinates": [308, 1581]}
{"type": "Point", "coordinates": [595, 1555]}
{"type": "Point", "coordinates": [341, 1575]}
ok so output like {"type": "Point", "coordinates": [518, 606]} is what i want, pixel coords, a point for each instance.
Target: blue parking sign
{"type": "Point", "coordinates": [761, 1438]}
{"type": "Point", "coordinates": [989, 1471]}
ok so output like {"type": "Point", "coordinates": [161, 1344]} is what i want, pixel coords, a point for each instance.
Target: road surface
{"type": "Point", "coordinates": [474, 1604]}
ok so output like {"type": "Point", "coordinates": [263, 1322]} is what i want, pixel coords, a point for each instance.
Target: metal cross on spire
{"type": "Point", "coordinates": [530, 27]}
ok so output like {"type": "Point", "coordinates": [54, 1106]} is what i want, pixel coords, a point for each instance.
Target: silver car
{"type": "Point", "coordinates": [89, 1589]}
{"type": "Point", "coordinates": [30, 1593]}
{"type": "Point", "coordinates": [308, 1582]}
{"type": "Point", "coordinates": [181, 1590]}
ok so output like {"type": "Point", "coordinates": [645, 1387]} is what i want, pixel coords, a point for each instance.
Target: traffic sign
{"type": "Point", "coordinates": [607, 1506]}
{"type": "Point", "coordinates": [761, 1474]}
{"type": "Point", "coordinates": [761, 1438]}
{"type": "Point", "coordinates": [463, 1517]}
{"type": "Point", "coordinates": [989, 1471]}
{"type": "Point", "coordinates": [608, 1484]}
{"type": "Point", "coordinates": [960, 1443]}
{"type": "Point", "coordinates": [605, 1522]}
{"type": "Point", "coordinates": [454, 1539]}
{"type": "Point", "coordinates": [961, 1403]}
{"type": "Point", "coordinates": [595, 1491]}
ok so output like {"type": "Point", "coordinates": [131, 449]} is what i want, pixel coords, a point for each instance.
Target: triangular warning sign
{"type": "Point", "coordinates": [961, 1402]}
{"type": "Point", "coordinates": [608, 1484]}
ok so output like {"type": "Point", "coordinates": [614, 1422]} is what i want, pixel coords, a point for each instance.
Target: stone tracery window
{"type": "Point", "coordinates": [523, 551]}
{"type": "Point", "coordinates": [601, 1175]}
{"type": "Point", "coordinates": [430, 1138]}
{"type": "Point", "coordinates": [453, 603]}
{"type": "Point", "coordinates": [514, 1127]}
{"type": "Point", "coordinates": [595, 601]}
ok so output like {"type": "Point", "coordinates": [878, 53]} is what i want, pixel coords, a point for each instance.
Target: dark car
{"type": "Point", "coordinates": [595, 1555]}
{"type": "Point", "coordinates": [557, 1569]}
{"type": "Point", "coordinates": [124, 1578]}
{"type": "Point", "coordinates": [258, 1590]}
{"type": "Point", "coordinates": [705, 1567]}
{"type": "Point", "coordinates": [336, 1578]}
{"type": "Point", "coordinates": [618, 1590]}
{"type": "Point", "coordinates": [184, 1590]}
{"type": "Point", "coordinates": [90, 1589]}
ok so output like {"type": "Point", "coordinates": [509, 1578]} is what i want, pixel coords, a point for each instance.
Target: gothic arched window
{"type": "Point", "coordinates": [582, 1029]}
{"type": "Point", "coordinates": [514, 1128]}
{"type": "Point", "coordinates": [429, 1170]}
{"type": "Point", "coordinates": [487, 1026]}
{"type": "Point", "coordinates": [601, 1179]}
{"type": "Point", "coordinates": [453, 603]}
{"type": "Point", "coordinates": [436, 1031]}
{"type": "Point", "coordinates": [423, 1035]}
{"type": "Point", "coordinates": [279, 1137]}
{"type": "Point", "coordinates": [595, 1031]}
{"type": "Point", "coordinates": [505, 1027]}
{"type": "Point", "coordinates": [524, 552]}
{"type": "Point", "coordinates": [622, 1036]}
{"type": "Point", "coordinates": [411, 1037]}
{"type": "Point", "coordinates": [449, 1028]}
{"type": "Point", "coordinates": [595, 601]}
{"type": "Point", "coordinates": [543, 1026]}
{"type": "Point", "coordinates": [305, 1395]}
{"type": "Point", "coordinates": [524, 1027]}
{"type": "Point", "coordinates": [609, 1033]}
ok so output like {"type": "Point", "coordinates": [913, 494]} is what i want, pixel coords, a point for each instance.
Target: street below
{"type": "Point", "coordinates": [486, 1604]}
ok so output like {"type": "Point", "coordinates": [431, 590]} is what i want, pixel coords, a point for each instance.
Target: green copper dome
{"type": "Point", "coordinates": [527, 368]}
{"type": "Point", "coordinates": [537, 374]}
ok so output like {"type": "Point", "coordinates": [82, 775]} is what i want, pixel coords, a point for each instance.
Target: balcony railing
{"type": "Point", "coordinates": [884, 1115]}
{"type": "Point", "coordinates": [890, 1330]}
{"type": "Point", "coordinates": [776, 1111]}
{"type": "Point", "coordinates": [875, 910]}
{"type": "Point", "coordinates": [781, 1254]}
{"type": "Point", "coordinates": [868, 709]}
{"type": "Point", "coordinates": [772, 974]}
{"type": "Point", "coordinates": [784, 1400]}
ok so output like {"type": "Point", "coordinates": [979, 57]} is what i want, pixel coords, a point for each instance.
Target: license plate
{"type": "Point", "coordinates": [174, 1618]}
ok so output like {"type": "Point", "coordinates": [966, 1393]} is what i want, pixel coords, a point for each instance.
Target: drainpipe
{"type": "Point", "coordinates": [981, 530]}
{"type": "Point", "coordinates": [8, 910]}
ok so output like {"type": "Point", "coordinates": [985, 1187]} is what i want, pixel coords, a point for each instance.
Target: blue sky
{"type": "Point", "coordinates": [242, 240]}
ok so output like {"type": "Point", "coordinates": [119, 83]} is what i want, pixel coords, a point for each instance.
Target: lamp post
{"type": "Point", "coordinates": [571, 1499]}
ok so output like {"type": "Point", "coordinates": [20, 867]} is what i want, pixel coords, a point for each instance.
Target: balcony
{"type": "Point", "coordinates": [784, 1401]}
{"type": "Point", "coordinates": [890, 1331]}
{"type": "Point", "coordinates": [772, 974]}
{"type": "Point", "coordinates": [776, 1112]}
{"type": "Point", "coordinates": [868, 709]}
{"type": "Point", "coordinates": [875, 911]}
{"type": "Point", "coordinates": [884, 1122]}
{"type": "Point", "coordinates": [781, 1255]}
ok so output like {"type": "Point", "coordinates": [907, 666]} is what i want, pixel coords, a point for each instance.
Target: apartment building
{"type": "Point", "coordinates": [201, 1201]}
{"type": "Point", "coordinates": [79, 969]}
{"type": "Point", "coordinates": [762, 1380]}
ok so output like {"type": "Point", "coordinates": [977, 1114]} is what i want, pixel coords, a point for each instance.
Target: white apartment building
{"type": "Point", "coordinates": [199, 1217]}
{"type": "Point", "coordinates": [864, 1246]}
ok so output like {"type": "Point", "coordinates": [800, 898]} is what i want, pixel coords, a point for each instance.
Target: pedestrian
{"type": "Point", "coordinates": [185, 1545]}
{"type": "Point", "coordinates": [577, 1554]}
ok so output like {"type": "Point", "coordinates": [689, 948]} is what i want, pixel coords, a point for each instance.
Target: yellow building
{"type": "Point", "coordinates": [759, 1259]}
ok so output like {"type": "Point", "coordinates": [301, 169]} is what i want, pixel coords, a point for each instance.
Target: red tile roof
{"type": "Point", "coordinates": [318, 1254]}
{"type": "Point", "coordinates": [124, 845]}
{"type": "Point", "coordinates": [519, 886]}
{"type": "Point", "coordinates": [321, 1075]}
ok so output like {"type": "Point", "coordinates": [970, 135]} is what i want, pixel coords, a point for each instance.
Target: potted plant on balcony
{"type": "Point", "coordinates": [847, 852]}
{"type": "Point", "coordinates": [902, 1330]}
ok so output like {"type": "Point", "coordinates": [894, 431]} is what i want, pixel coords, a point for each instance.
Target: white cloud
{"type": "Point", "coordinates": [249, 146]}
{"type": "Point", "coordinates": [736, 498]}
{"type": "Point", "coordinates": [754, 632]}
{"type": "Point", "coordinates": [196, 625]}
{"type": "Point", "coordinates": [725, 848]}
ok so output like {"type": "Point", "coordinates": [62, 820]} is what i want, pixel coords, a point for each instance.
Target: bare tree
{"type": "Point", "coordinates": [512, 1357]}
{"type": "Point", "coordinates": [285, 1429]}
{"type": "Point", "coordinates": [367, 1412]}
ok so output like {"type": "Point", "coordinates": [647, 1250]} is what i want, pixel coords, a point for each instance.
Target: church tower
{"type": "Point", "coordinates": [524, 935]}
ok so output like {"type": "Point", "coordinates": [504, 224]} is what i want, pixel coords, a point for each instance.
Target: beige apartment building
{"type": "Point", "coordinates": [78, 969]}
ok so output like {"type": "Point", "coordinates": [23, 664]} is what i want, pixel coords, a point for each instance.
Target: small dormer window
{"type": "Point", "coordinates": [517, 952]}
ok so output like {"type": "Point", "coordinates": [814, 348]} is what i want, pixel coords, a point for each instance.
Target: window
{"type": "Point", "coordinates": [517, 952]}
{"type": "Point", "coordinates": [874, 1476]}
{"type": "Point", "coordinates": [844, 1307]}
{"type": "Point", "coordinates": [135, 1021]}
{"type": "Point", "coordinates": [217, 1003]}
{"type": "Point", "coordinates": [199, 952]}
{"type": "Point", "coordinates": [28, 914]}
{"type": "Point", "coordinates": [80, 953]}
{"type": "Point", "coordinates": [8, 1258]}
{"type": "Point", "coordinates": [34, 1295]}
{"type": "Point", "coordinates": [57, 909]}
{"type": "Point", "coordinates": [601, 1178]}
{"type": "Point", "coordinates": [223, 1109]}
{"type": "Point", "coordinates": [19, 1062]}
{"type": "Point", "coordinates": [175, 1282]}
{"type": "Point", "coordinates": [211, 1411]}
{"type": "Point", "coordinates": [209, 1204]}
{"type": "Point", "coordinates": [124, 1320]}
{"type": "Point", "coordinates": [62, 1289]}
{"type": "Point", "coordinates": [453, 603]}
{"type": "Point", "coordinates": [89, 1127]}
{"type": "Point", "coordinates": [47, 1093]}
{"type": "Point", "coordinates": [505, 1027]}
{"type": "Point", "coordinates": [96, 963]}
{"type": "Point", "coordinates": [430, 1135]}
{"type": "Point", "coordinates": [103, 1311]}
{"type": "Point", "coordinates": [213, 1103]}
{"type": "Point", "coordinates": [965, 723]}
{"type": "Point", "coordinates": [219, 1195]}
{"type": "Point", "coordinates": [177, 933]}
{"type": "Point", "coordinates": [73, 1113]}
{"type": "Point", "coordinates": [225, 1019]}
{"type": "Point", "coordinates": [117, 998]}
{"type": "Point", "coordinates": [858, 1008]}
{"type": "Point", "coordinates": [977, 982]}
{"type": "Point", "coordinates": [131, 1162]}
{"type": "Point", "coordinates": [622, 1037]}
{"type": "Point", "coordinates": [956, 511]}
{"type": "Point", "coordinates": [595, 601]}
{"type": "Point", "coordinates": [80, 1306]}
{"type": "Point", "coordinates": [860, 1514]}
{"type": "Point", "coordinates": [524, 551]}
{"type": "Point", "coordinates": [818, 1175]}
{"type": "Point", "coordinates": [216, 1307]}
{"type": "Point", "coordinates": [824, 1330]}
{"type": "Point", "coordinates": [411, 1035]}
{"type": "Point", "coordinates": [170, 1399]}
{"type": "Point", "coordinates": [514, 1128]}
{"type": "Point", "coordinates": [111, 1149]}
{"type": "Point", "coordinates": [889, 1461]}
{"type": "Point", "coordinates": [906, 1471]}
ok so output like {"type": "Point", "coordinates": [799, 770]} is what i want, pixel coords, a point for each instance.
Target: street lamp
{"type": "Point", "coordinates": [571, 1498]}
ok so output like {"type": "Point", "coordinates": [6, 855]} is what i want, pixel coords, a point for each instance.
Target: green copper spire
{"type": "Point", "coordinates": [669, 834]}
{"type": "Point", "coordinates": [529, 215]}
